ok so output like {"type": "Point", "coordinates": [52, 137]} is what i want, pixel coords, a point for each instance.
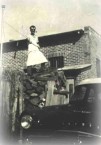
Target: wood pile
{"type": "Point", "coordinates": [36, 87]}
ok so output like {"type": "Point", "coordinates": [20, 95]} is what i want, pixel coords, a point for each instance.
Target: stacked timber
{"type": "Point", "coordinates": [34, 89]}
{"type": "Point", "coordinates": [43, 88]}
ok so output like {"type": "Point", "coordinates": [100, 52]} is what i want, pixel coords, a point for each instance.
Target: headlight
{"type": "Point", "coordinates": [26, 121]}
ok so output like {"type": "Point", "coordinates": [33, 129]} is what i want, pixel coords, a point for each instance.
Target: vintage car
{"type": "Point", "coordinates": [82, 115]}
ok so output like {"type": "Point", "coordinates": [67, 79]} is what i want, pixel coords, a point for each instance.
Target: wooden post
{"type": "Point", "coordinates": [50, 85]}
{"type": "Point", "coordinates": [55, 99]}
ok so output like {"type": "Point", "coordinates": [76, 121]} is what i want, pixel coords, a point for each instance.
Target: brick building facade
{"type": "Point", "coordinates": [65, 49]}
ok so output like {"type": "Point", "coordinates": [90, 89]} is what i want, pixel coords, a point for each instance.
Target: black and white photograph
{"type": "Point", "coordinates": [50, 72]}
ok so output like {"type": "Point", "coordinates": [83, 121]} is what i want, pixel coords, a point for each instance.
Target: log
{"type": "Point", "coordinates": [56, 92]}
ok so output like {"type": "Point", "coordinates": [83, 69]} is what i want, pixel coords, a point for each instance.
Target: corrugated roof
{"type": "Point", "coordinates": [75, 67]}
{"type": "Point", "coordinates": [91, 81]}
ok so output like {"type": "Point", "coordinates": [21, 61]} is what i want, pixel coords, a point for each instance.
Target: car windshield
{"type": "Point", "coordinates": [88, 92]}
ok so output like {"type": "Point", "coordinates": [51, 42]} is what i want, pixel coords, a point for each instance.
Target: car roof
{"type": "Point", "coordinates": [91, 81]}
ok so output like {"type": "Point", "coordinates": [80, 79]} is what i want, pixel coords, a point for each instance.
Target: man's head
{"type": "Point", "coordinates": [32, 29]}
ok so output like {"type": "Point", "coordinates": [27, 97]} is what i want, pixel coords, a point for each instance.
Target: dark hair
{"type": "Point", "coordinates": [32, 27]}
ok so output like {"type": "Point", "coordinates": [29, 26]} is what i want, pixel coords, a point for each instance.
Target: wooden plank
{"type": "Point", "coordinates": [55, 99]}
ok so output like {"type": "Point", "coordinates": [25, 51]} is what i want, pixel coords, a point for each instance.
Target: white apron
{"type": "Point", "coordinates": [35, 56]}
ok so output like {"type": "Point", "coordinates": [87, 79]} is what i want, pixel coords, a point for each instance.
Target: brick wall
{"type": "Point", "coordinates": [15, 61]}
{"type": "Point", "coordinates": [82, 51]}
{"type": "Point", "coordinates": [73, 53]}
{"type": "Point", "coordinates": [93, 39]}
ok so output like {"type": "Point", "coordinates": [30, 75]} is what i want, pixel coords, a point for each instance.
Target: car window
{"type": "Point", "coordinates": [79, 94]}
{"type": "Point", "coordinates": [94, 94]}
{"type": "Point", "coordinates": [91, 95]}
